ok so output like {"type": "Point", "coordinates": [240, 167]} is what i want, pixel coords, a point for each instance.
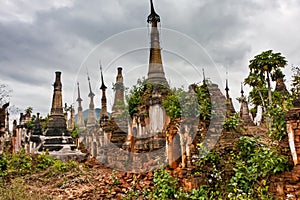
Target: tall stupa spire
{"type": "Point", "coordinates": [229, 105]}
{"type": "Point", "coordinates": [156, 72]}
{"type": "Point", "coordinates": [80, 119]}
{"type": "Point", "coordinates": [57, 135]}
{"type": "Point", "coordinates": [92, 116]}
{"type": "Point", "coordinates": [104, 114]}
{"type": "Point", "coordinates": [91, 94]}
{"type": "Point", "coordinates": [242, 91]}
{"type": "Point", "coordinates": [119, 91]}
{"type": "Point", "coordinates": [57, 107]}
{"type": "Point", "coordinates": [244, 110]}
{"type": "Point", "coordinates": [227, 89]}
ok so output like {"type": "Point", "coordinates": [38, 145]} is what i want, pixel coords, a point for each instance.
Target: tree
{"type": "Point", "coordinates": [4, 94]}
{"type": "Point", "coordinates": [28, 110]}
{"type": "Point", "coordinates": [296, 82]}
{"type": "Point", "coordinates": [263, 68]}
{"type": "Point", "coordinates": [259, 92]}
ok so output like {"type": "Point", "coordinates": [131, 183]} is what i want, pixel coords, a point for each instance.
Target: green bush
{"type": "Point", "coordinates": [3, 165]}
{"type": "Point", "coordinates": [165, 185]}
{"type": "Point", "coordinates": [172, 103]}
{"type": "Point", "coordinates": [44, 161]}
{"type": "Point", "coordinates": [276, 114]}
{"type": "Point", "coordinates": [19, 164]}
{"type": "Point", "coordinates": [254, 163]}
{"type": "Point", "coordinates": [232, 122]}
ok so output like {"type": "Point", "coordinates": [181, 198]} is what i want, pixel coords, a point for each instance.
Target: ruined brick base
{"type": "Point", "coordinates": [287, 184]}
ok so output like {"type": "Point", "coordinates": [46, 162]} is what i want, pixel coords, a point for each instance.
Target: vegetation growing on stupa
{"type": "Point", "coordinates": [241, 170]}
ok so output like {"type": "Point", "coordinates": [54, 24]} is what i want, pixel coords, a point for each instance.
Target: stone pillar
{"type": "Point", "coordinates": [3, 119]}
{"type": "Point", "coordinates": [293, 129]}
{"type": "Point", "coordinates": [72, 118]}
{"type": "Point", "coordinates": [170, 151]}
{"type": "Point", "coordinates": [183, 152]}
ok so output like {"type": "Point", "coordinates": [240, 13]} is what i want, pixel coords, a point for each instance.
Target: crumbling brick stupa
{"type": "Point", "coordinates": [118, 140]}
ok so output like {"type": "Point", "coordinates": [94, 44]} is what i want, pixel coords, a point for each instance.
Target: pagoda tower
{"type": "Point", "coordinates": [120, 121]}
{"type": "Point", "coordinates": [156, 72]}
{"type": "Point", "coordinates": [57, 123]}
{"type": "Point", "coordinates": [229, 105]}
{"type": "Point", "coordinates": [119, 94]}
{"type": "Point", "coordinates": [92, 116]}
{"type": "Point", "coordinates": [244, 111]}
{"type": "Point", "coordinates": [104, 113]}
{"type": "Point", "coordinates": [280, 85]}
{"type": "Point", "coordinates": [56, 136]}
{"type": "Point", "coordinates": [80, 119]}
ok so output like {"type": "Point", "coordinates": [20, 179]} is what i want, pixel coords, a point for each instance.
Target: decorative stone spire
{"type": "Point", "coordinates": [244, 111]}
{"type": "Point", "coordinates": [119, 94]}
{"type": "Point", "coordinates": [57, 123]}
{"type": "Point", "coordinates": [37, 128]}
{"type": "Point", "coordinates": [92, 116]}
{"type": "Point", "coordinates": [280, 86]}
{"type": "Point", "coordinates": [120, 121]}
{"type": "Point", "coordinates": [156, 72]}
{"type": "Point", "coordinates": [242, 92]}
{"type": "Point", "coordinates": [57, 135]}
{"type": "Point", "coordinates": [80, 120]}
{"type": "Point", "coordinates": [227, 89]}
{"type": "Point", "coordinates": [57, 107]}
{"type": "Point", "coordinates": [104, 114]}
{"type": "Point", "coordinates": [229, 105]}
{"type": "Point", "coordinates": [204, 78]}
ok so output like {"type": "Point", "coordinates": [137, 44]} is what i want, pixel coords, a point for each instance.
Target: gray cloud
{"type": "Point", "coordinates": [43, 37]}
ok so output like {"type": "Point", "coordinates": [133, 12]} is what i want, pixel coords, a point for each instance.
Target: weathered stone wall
{"type": "Point", "coordinates": [287, 184]}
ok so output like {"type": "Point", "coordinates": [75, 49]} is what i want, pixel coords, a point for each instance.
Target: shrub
{"type": "Point", "coordinates": [254, 163]}
{"type": "Point", "coordinates": [165, 185]}
{"type": "Point", "coordinates": [232, 122]}
{"type": "Point", "coordinates": [3, 165]}
{"type": "Point", "coordinates": [19, 163]}
{"type": "Point", "coordinates": [44, 161]}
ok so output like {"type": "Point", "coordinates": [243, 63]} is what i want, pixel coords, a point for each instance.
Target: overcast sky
{"type": "Point", "coordinates": [38, 38]}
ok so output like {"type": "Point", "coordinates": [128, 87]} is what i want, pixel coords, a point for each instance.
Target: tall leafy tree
{"type": "Point", "coordinates": [264, 68]}
{"type": "Point", "coordinates": [296, 82]}
{"type": "Point", "coordinates": [258, 93]}
{"type": "Point", "coordinates": [4, 94]}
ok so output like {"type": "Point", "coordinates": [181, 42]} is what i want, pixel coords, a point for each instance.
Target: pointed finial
{"type": "Point", "coordinates": [227, 88]}
{"type": "Point", "coordinates": [242, 89]}
{"type": "Point", "coordinates": [103, 87]}
{"type": "Point", "coordinates": [204, 79]}
{"type": "Point", "coordinates": [153, 17]}
{"type": "Point", "coordinates": [91, 94]}
{"type": "Point", "coordinates": [87, 73]}
{"type": "Point", "coordinates": [79, 98]}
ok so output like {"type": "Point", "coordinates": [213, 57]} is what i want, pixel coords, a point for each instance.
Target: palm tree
{"type": "Point", "coordinates": [28, 110]}
{"type": "Point", "coordinates": [267, 65]}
